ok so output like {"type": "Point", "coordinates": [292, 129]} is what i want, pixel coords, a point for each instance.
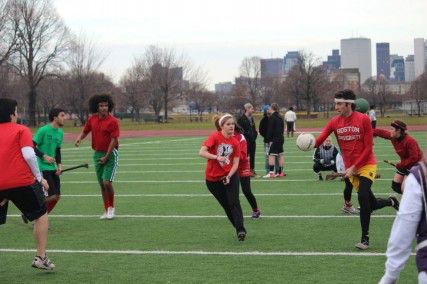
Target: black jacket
{"type": "Point", "coordinates": [248, 125]}
{"type": "Point", "coordinates": [276, 128]}
{"type": "Point", "coordinates": [263, 127]}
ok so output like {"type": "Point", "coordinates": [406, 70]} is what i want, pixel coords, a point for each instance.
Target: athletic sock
{"type": "Point", "coordinates": [271, 168]}
{"type": "Point", "coordinates": [51, 204]}
{"type": "Point", "coordinates": [105, 199]}
{"type": "Point", "coordinates": [280, 170]}
{"type": "Point", "coordinates": [111, 199]}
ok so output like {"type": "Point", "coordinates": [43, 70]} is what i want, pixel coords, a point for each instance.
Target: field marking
{"type": "Point", "coordinates": [195, 181]}
{"type": "Point", "coordinates": [210, 195]}
{"type": "Point", "coordinates": [222, 253]}
{"type": "Point", "coordinates": [128, 216]}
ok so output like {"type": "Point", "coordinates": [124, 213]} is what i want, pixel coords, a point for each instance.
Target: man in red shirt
{"type": "Point", "coordinates": [353, 132]}
{"type": "Point", "coordinates": [406, 147]}
{"type": "Point", "coordinates": [20, 179]}
{"type": "Point", "coordinates": [105, 135]}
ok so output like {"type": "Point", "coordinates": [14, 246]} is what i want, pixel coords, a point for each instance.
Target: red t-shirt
{"type": "Point", "coordinates": [103, 129]}
{"type": "Point", "coordinates": [218, 145]}
{"type": "Point", "coordinates": [355, 139]}
{"type": "Point", "coordinates": [244, 167]}
{"type": "Point", "coordinates": [14, 171]}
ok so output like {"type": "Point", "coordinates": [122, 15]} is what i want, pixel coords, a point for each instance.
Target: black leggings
{"type": "Point", "coordinates": [228, 198]}
{"type": "Point", "coordinates": [368, 203]}
{"type": "Point", "coordinates": [348, 190]}
{"type": "Point", "coordinates": [246, 188]}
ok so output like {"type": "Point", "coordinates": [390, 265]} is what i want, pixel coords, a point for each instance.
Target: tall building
{"type": "Point", "coordinates": [356, 53]}
{"type": "Point", "coordinates": [224, 87]}
{"type": "Point", "coordinates": [291, 59]}
{"type": "Point", "coordinates": [409, 68]}
{"type": "Point", "coordinates": [398, 69]}
{"type": "Point", "coordinates": [272, 68]}
{"type": "Point", "coordinates": [420, 56]}
{"type": "Point", "coordinates": [383, 59]}
{"type": "Point", "coordinates": [334, 61]}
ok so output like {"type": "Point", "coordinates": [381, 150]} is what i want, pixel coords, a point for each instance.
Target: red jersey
{"type": "Point", "coordinates": [103, 129]}
{"type": "Point", "coordinates": [407, 148]}
{"type": "Point", "coordinates": [218, 145]}
{"type": "Point", "coordinates": [14, 170]}
{"type": "Point", "coordinates": [244, 167]}
{"type": "Point", "coordinates": [355, 139]}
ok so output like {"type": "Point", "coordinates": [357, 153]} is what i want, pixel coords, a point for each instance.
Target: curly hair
{"type": "Point", "coordinates": [95, 100]}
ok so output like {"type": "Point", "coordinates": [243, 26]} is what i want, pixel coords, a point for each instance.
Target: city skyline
{"type": "Point", "coordinates": [218, 35]}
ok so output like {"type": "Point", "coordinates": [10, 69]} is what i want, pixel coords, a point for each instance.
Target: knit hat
{"type": "Point", "coordinates": [399, 124]}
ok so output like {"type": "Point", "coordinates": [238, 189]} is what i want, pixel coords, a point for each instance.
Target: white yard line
{"type": "Point", "coordinates": [208, 194]}
{"type": "Point", "coordinates": [195, 253]}
{"type": "Point", "coordinates": [81, 216]}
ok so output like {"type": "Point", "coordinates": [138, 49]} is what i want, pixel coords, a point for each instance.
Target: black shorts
{"type": "Point", "coordinates": [290, 126]}
{"type": "Point", "coordinates": [53, 181]}
{"type": "Point", "coordinates": [276, 148]}
{"type": "Point", "coordinates": [30, 200]}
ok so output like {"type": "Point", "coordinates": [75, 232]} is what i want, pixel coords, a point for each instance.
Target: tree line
{"type": "Point", "coordinates": [44, 65]}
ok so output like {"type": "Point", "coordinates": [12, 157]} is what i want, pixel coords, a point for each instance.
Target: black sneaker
{"type": "Point", "coordinates": [241, 236]}
{"type": "Point", "coordinates": [394, 203]}
{"type": "Point", "coordinates": [24, 219]}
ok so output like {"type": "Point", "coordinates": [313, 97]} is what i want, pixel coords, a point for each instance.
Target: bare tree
{"type": "Point", "coordinates": [8, 31]}
{"type": "Point", "coordinates": [42, 39]}
{"type": "Point", "coordinates": [164, 70]}
{"type": "Point", "coordinates": [83, 62]}
{"type": "Point", "coordinates": [418, 91]}
{"type": "Point", "coordinates": [250, 71]}
{"type": "Point", "coordinates": [134, 92]}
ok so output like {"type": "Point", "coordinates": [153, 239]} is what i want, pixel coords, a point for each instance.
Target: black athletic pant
{"type": "Point", "coordinates": [246, 188]}
{"type": "Point", "coordinates": [251, 154]}
{"type": "Point", "coordinates": [317, 167]}
{"type": "Point", "coordinates": [228, 197]}
{"type": "Point", "coordinates": [368, 203]}
{"type": "Point", "coordinates": [347, 190]}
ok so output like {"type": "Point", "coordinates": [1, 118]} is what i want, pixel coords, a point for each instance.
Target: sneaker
{"type": "Point", "coordinates": [241, 236]}
{"type": "Point", "coordinates": [349, 210]}
{"type": "Point", "coordinates": [256, 214]}
{"type": "Point", "coordinates": [270, 175]}
{"type": "Point", "coordinates": [394, 203]}
{"type": "Point", "coordinates": [111, 213]}
{"type": "Point", "coordinates": [24, 219]}
{"type": "Point", "coordinates": [103, 216]}
{"type": "Point", "coordinates": [364, 244]}
{"type": "Point", "coordinates": [253, 173]}
{"type": "Point", "coordinates": [43, 263]}
{"type": "Point", "coordinates": [282, 174]}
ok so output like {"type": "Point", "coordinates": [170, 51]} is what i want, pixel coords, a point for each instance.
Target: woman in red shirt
{"type": "Point", "coordinates": [222, 151]}
{"type": "Point", "coordinates": [245, 172]}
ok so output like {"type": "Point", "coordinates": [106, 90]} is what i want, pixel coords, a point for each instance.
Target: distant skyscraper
{"type": "Point", "coordinates": [272, 68]}
{"type": "Point", "coordinates": [334, 60]}
{"type": "Point", "coordinates": [383, 59]}
{"type": "Point", "coordinates": [356, 53]}
{"type": "Point", "coordinates": [398, 69]}
{"type": "Point", "coordinates": [409, 68]}
{"type": "Point", "coordinates": [420, 56]}
{"type": "Point", "coordinates": [224, 87]}
{"type": "Point", "coordinates": [291, 59]}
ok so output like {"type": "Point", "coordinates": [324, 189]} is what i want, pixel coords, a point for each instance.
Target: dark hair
{"type": "Point", "coordinates": [7, 107]}
{"type": "Point", "coordinates": [95, 100]}
{"type": "Point", "coordinates": [291, 108]}
{"type": "Point", "coordinates": [372, 106]}
{"type": "Point", "coordinates": [54, 113]}
{"type": "Point", "coordinates": [347, 94]}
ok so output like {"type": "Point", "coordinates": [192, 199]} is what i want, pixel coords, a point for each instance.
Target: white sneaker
{"type": "Point", "coordinates": [43, 263]}
{"type": "Point", "coordinates": [110, 213]}
{"type": "Point", "coordinates": [349, 210]}
{"type": "Point", "coordinates": [270, 175]}
{"type": "Point", "coordinates": [103, 216]}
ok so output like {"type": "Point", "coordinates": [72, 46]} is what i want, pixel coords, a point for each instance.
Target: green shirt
{"type": "Point", "coordinates": [48, 139]}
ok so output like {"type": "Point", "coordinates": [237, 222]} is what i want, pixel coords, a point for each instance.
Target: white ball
{"type": "Point", "coordinates": [306, 141]}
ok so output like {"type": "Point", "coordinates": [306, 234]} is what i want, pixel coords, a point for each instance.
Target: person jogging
{"type": "Point", "coordinates": [222, 152]}
{"type": "Point", "coordinates": [353, 132]}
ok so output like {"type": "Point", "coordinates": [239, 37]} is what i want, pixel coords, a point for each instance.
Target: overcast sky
{"type": "Point", "coordinates": [217, 35]}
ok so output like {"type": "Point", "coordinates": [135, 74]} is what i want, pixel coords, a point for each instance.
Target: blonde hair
{"type": "Point", "coordinates": [220, 120]}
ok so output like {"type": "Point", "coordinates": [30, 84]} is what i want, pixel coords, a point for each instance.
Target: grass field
{"type": "Point", "coordinates": [169, 229]}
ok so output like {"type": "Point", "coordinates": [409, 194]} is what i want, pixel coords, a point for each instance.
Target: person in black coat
{"type": "Point", "coordinates": [276, 139]}
{"type": "Point", "coordinates": [247, 123]}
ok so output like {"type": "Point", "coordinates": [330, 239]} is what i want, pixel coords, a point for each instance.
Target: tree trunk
{"type": "Point", "coordinates": [32, 94]}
